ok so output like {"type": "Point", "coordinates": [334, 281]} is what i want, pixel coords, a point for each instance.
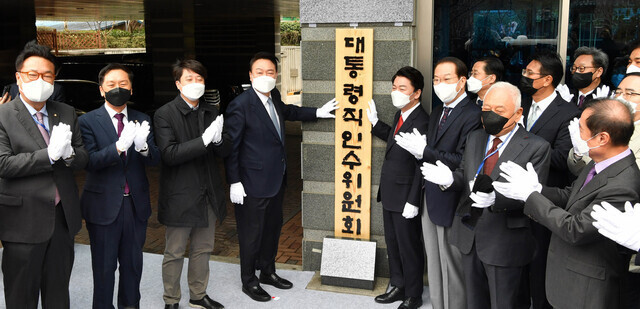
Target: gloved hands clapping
{"type": "Point", "coordinates": [142, 132]}
{"type": "Point", "coordinates": [564, 92]}
{"type": "Point", "coordinates": [126, 136]}
{"type": "Point", "coordinates": [623, 228]}
{"type": "Point", "coordinates": [59, 142]}
{"type": "Point", "coordinates": [414, 142]}
{"type": "Point", "coordinates": [520, 182]}
{"type": "Point", "coordinates": [438, 173]}
{"type": "Point", "coordinates": [213, 134]}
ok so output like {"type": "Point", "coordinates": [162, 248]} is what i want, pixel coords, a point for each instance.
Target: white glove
{"type": "Point", "coordinates": [57, 142]}
{"type": "Point", "coordinates": [580, 146]}
{"type": "Point", "coordinates": [326, 109]}
{"type": "Point", "coordinates": [520, 182]}
{"type": "Point", "coordinates": [409, 211]}
{"type": "Point", "coordinates": [564, 92]}
{"type": "Point", "coordinates": [483, 200]}
{"type": "Point", "coordinates": [142, 132]}
{"type": "Point", "coordinates": [68, 149]}
{"type": "Point", "coordinates": [414, 142]}
{"type": "Point", "coordinates": [214, 132]}
{"type": "Point", "coordinates": [126, 136]}
{"type": "Point", "coordinates": [236, 193]}
{"type": "Point", "coordinates": [602, 92]}
{"type": "Point", "coordinates": [372, 113]}
{"type": "Point", "coordinates": [623, 228]}
{"type": "Point", "coordinates": [439, 173]}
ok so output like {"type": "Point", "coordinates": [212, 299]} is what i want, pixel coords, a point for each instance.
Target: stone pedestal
{"type": "Point", "coordinates": [348, 263]}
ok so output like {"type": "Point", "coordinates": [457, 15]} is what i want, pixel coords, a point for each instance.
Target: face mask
{"type": "Point", "coordinates": [581, 80]}
{"type": "Point", "coordinates": [633, 107]}
{"type": "Point", "coordinates": [117, 96]}
{"type": "Point", "coordinates": [400, 99]}
{"type": "Point", "coordinates": [582, 146]}
{"type": "Point", "coordinates": [446, 92]}
{"type": "Point", "coordinates": [474, 85]}
{"type": "Point", "coordinates": [37, 90]}
{"type": "Point", "coordinates": [493, 123]}
{"type": "Point", "coordinates": [526, 86]}
{"type": "Point", "coordinates": [193, 91]}
{"type": "Point", "coordinates": [633, 69]}
{"type": "Point", "coordinates": [264, 84]}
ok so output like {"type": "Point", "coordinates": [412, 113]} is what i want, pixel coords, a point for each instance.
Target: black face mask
{"type": "Point", "coordinates": [581, 80]}
{"type": "Point", "coordinates": [117, 96]}
{"type": "Point", "coordinates": [493, 123]}
{"type": "Point", "coordinates": [526, 86]}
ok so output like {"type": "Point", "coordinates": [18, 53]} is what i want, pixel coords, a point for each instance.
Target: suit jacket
{"type": "Point", "coordinates": [553, 126]}
{"type": "Point", "coordinates": [576, 96]}
{"type": "Point", "coordinates": [28, 180]}
{"type": "Point", "coordinates": [503, 233]}
{"type": "Point", "coordinates": [584, 268]}
{"type": "Point", "coordinates": [447, 145]}
{"type": "Point", "coordinates": [401, 179]}
{"type": "Point", "coordinates": [190, 181]}
{"type": "Point", "coordinates": [107, 171]}
{"type": "Point", "coordinates": [258, 157]}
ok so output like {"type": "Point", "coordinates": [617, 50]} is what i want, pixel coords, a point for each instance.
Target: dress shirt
{"type": "Point", "coordinates": [453, 104]}
{"type": "Point", "coordinates": [600, 166]}
{"type": "Point", "coordinates": [263, 99]}
{"type": "Point", "coordinates": [112, 115]}
{"type": "Point", "coordinates": [542, 105]}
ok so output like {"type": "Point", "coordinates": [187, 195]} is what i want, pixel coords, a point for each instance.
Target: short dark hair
{"type": "Point", "coordinates": [551, 64]}
{"type": "Point", "coordinates": [33, 49]}
{"type": "Point", "coordinates": [114, 66]}
{"type": "Point", "coordinates": [636, 74]}
{"type": "Point", "coordinates": [611, 116]}
{"type": "Point", "coordinates": [600, 59]}
{"type": "Point", "coordinates": [461, 68]}
{"type": "Point", "coordinates": [188, 64]}
{"type": "Point", "coordinates": [413, 75]}
{"type": "Point", "coordinates": [493, 65]}
{"type": "Point", "coordinates": [263, 55]}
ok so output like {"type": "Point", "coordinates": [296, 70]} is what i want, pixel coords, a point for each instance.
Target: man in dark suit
{"type": "Point", "coordinates": [583, 267]}
{"type": "Point", "coordinates": [546, 114]}
{"type": "Point", "coordinates": [191, 140]}
{"type": "Point", "coordinates": [589, 67]}
{"type": "Point", "coordinates": [40, 146]}
{"type": "Point", "coordinates": [400, 190]}
{"type": "Point", "coordinates": [115, 200]}
{"type": "Point", "coordinates": [445, 140]}
{"type": "Point", "coordinates": [256, 170]}
{"type": "Point", "coordinates": [491, 231]}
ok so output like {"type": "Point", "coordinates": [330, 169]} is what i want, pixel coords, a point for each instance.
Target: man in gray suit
{"type": "Point", "coordinates": [584, 268]}
{"type": "Point", "coordinates": [40, 146]}
{"type": "Point", "coordinates": [492, 233]}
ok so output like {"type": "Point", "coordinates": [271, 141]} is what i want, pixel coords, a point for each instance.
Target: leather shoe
{"type": "Point", "coordinates": [172, 306]}
{"type": "Point", "coordinates": [256, 293]}
{"type": "Point", "coordinates": [393, 295]}
{"type": "Point", "coordinates": [411, 303]}
{"type": "Point", "coordinates": [205, 303]}
{"type": "Point", "coordinates": [276, 281]}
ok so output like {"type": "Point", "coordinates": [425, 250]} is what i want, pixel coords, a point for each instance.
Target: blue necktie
{"type": "Point", "coordinates": [274, 119]}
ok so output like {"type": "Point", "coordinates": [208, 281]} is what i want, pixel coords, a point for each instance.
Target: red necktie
{"type": "Point", "coordinates": [491, 161]}
{"type": "Point", "coordinates": [45, 136]}
{"type": "Point", "coordinates": [400, 122]}
{"type": "Point", "coordinates": [120, 116]}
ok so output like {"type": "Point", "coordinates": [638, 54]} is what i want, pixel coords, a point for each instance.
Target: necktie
{"type": "Point", "coordinates": [120, 116]}
{"type": "Point", "coordinates": [445, 114]}
{"type": "Point", "coordinates": [533, 116]}
{"type": "Point", "coordinates": [400, 122]}
{"type": "Point", "coordinates": [491, 161]}
{"type": "Point", "coordinates": [590, 176]}
{"type": "Point", "coordinates": [45, 136]}
{"type": "Point", "coordinates": [580, 101]}
{"type": "Point", "coordinates": [272, 114]}
{"type": "Point", "coordinates": [479, 102]}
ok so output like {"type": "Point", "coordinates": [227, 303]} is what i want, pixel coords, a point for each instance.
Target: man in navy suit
{"type": "Point", "coordinates": [115, 200]}
{"type": "Point", "coordinates": [256, 170]}
{"type": "Point", "coordinates": [445, 140]}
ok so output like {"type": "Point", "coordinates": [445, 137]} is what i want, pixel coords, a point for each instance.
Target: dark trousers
{"type": "Point", "coordinates": [490, 286]}
{"type": "Point", "coordinates": [538, 267]}
{"type": "Point", "coordinates": [119, 242]}
{"type": "Point", "coordinates": [43, 268]}
{"type": "Point", "coordinates": [259, 221]}
{"type": "Point", "coordinates": [404, 249]}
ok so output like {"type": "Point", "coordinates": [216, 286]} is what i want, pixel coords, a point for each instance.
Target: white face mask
{"type": "Point", "coordinates": [400, 99]}
{"type": "Point", "coordinates": [474, 85]}
{"type": "Point", "coordinates": [37, 90]}
{"type": "Point", "coordinates": [446, 92]}
{"type": "Point", "coordinates": [193, 91]}
{"type": "Point", "coordinates": [633, 107]}
{"type": "Point", "coordinates": [582, 148]}
{"type": "Point", "coordinates": [264, 83]}
{"type": "Point", "coordinates": [633, 69]}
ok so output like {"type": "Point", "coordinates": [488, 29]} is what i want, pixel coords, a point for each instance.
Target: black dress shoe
{"type": "Point", "coordinates": [172, 306]}
{"type": "Point", "coordinates": [394, 294]}
{"type": "Point", "coordinates": [411, 303]}
{"type": "Point", "coordinates": [276, 281]}
{"type": "Point", "coordinates": [256, 293]}
{"type": "Point", "coordinates": [205, 303]}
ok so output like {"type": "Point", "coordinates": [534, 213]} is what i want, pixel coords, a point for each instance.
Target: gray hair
{"type": "Point", "coordinates": [600, 59]}
{"type": "Point", "coordinates": [511, 89]}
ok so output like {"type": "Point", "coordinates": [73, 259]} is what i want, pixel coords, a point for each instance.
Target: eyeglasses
{"type": "Point", "coordinates": [626, 94]}
{"type": "Point", "coordinates": [31, 75]}
{"type": "Point", "coordinates": [447, 80]}
{"type": "Point", "coordinates": [526, 73]}
{"type": "Point", "coordinates": [580, 69]}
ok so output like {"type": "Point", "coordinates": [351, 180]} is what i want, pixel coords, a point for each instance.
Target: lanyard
{"type": "Point", "coordinates": [492, 153]}
{"type": "Point", "coordinates": [41, 124]}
